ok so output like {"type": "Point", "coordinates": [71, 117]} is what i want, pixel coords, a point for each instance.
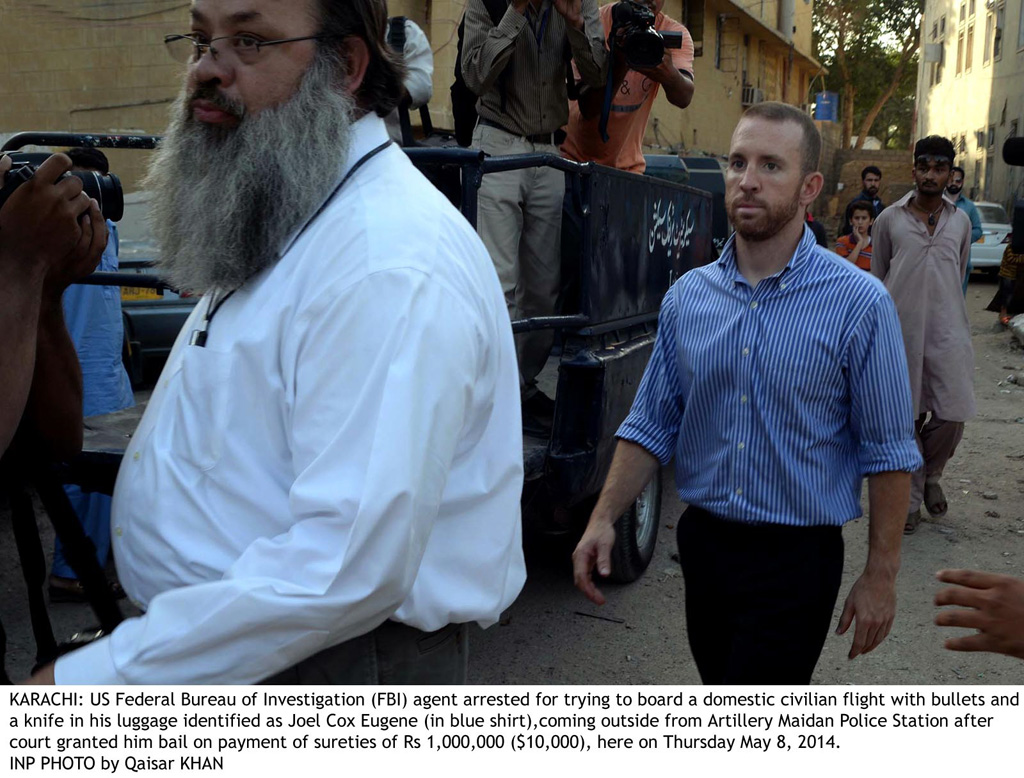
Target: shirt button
{"type": "Point", "coordinates": [753, 305]}
{"type": "Point", "coordinates": [136, 456]}
{"type": "Point", "coordinates": [118, 531]}
{"type": "Point", "coordinates": [743, 399]}
{"type": "Point", "coordinates": [782, 285]}
{"type": "Point", "coordinates": [739, 492]}
{"type": "Point", "coordinates": [746, 351]}
{"type": "Point", "coordinates": [741, 446]}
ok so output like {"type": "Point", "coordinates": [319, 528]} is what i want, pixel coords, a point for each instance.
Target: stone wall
{"type": "Point", "coordinates": [89, 66]}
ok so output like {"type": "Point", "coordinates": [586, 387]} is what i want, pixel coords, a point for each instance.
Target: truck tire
{"type": "Point", "coordinates": [636, 534]}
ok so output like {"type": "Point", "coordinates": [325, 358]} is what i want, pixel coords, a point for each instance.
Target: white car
{"type": "Point", "coordinates": [987, 253]}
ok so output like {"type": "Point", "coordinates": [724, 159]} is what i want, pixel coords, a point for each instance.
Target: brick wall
{"type": "Point", "coordinates": [89, 66]}
{"type": "Point", "coordinates": [896, 167]}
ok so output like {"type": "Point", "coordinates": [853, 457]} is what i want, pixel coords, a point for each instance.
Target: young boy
{"type": "Point", "coordinates": [856, 247]}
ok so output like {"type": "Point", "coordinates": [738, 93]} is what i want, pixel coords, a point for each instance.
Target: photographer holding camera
{"type": "Point", "coordinates": [631, 28]}
{"type": "Point", "coordinates": [51, 234]}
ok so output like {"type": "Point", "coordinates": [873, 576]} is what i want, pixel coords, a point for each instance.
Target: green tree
{"type": "Point", "coordinates": [870, 47]}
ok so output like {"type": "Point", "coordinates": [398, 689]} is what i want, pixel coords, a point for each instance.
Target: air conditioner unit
{"type": "Point", "coordinates": [752, 96]}
{"type": "Point", "coordinates": [934, 52]}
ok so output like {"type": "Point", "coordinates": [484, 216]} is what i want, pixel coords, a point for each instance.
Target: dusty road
{"type": "Point", "coordinates": [553, 636]}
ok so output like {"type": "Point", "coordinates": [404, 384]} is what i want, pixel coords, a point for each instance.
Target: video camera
{"type": "Point", "coordinates": [643, 46]}
{"type": "Point", "coordinates": [1013, 154]}
{"type": "Point", "coordinates": [104, 189]}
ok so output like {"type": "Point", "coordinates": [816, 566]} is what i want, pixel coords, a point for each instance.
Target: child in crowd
{"type": "Point", "coordinates": [1009, 275]}
{"type": "Point", "coordinates": [856, 247]}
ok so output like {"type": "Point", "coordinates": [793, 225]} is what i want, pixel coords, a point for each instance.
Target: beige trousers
{"type": "Point", "coordinates": [520, 222]}
{"type": "Point", "coordinates": [937, 439]}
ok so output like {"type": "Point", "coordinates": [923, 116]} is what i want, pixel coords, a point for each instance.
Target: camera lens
{"type": "Point", "coordinates": [105, 190]}
{"type": "Point", "coordinates": [644, 49]}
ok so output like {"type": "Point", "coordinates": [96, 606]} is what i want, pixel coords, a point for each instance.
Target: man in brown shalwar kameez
{"type": "Point", "coordinates": [922, 244]}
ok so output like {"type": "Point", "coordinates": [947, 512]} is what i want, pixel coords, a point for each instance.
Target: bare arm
{"type": "Point", "coordinates": [678, 87]}
{"type": "Point", "coordinates": [632, 468]}
{"type": "Point", "coordinates": [586, 39]}
{"type": "Point", "coordinates": [872, 600]}
{"type": "Point", "coordinates": [46, 238]}
{"type": "Point", "coordinates": [53, 414]}
{"type": "Point", "coordinates": [20, 295]}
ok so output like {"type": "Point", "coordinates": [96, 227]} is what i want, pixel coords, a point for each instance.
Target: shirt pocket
{"type": "Point", "coordinates": [203, 406]}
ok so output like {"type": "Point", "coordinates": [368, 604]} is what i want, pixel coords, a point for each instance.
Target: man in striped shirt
{"type": "Point", "coordinates": [778, 381]}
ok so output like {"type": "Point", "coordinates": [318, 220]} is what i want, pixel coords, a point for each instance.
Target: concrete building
{"type": "Point", "coordinates": [970, 88]}
{"type": "Point", "coordinates": [100, 66]}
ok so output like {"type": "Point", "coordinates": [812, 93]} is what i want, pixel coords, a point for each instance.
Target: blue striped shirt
{"type": "Point", "coordinates": [777, 400]}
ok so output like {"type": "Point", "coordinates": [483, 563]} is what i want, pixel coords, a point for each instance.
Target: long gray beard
{"type": "Point", "coordinates": [225, 202]}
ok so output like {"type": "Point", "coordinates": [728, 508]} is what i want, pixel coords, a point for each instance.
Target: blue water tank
{"type": "Point", "coordinates": [826, 106]}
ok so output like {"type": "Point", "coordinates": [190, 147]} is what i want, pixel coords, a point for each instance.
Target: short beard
{"type": "Point", "coordinates": [225, 201]}
{"type": "Point", "coordinates": [771, 222]}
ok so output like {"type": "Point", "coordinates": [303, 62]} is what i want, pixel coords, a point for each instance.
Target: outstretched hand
{"type": "Point", "coordinates": [995, 606]}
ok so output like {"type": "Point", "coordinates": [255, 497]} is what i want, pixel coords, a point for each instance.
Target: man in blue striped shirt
{"type": "Point", "coordinates": [778, 381]}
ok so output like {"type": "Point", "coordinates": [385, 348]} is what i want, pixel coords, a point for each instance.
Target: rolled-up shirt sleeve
{"type": "Point", "coordinates": [881, 409]}
{"type": "Point", "coordinates": [656, 415]}
{"type": "Point", "coordinates": [370, 469]}
{"type": "Point", "coordinates": [589, 52]}
{"type": "Point", "coordinates": [487, 49]}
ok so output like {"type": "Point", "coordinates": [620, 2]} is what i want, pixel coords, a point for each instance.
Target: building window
{"type": "Point", "coordinates": [942, 25]}
{"type": "Point", "coordinates": [997, 40]}
{"type": "Point", "coordinates": [971, 12]}
{"type": "Point", "coordinates": [969, 48]}
{"type": "Point", "coordinates": [963, 12]}
{"type": "Point", "coordinates": [962, 145]}
{"type": "Point", "coordinates": [991, 137]}
{"type": "Point", "coordinates": [1020, 29]}
{"type": "Point", "coordinates": [990, 24]}
{"type": "Point", "coordinates": [960, 52]}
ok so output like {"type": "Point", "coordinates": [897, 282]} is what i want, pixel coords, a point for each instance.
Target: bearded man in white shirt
{"type": "Point", "coordinates": [325, 485]}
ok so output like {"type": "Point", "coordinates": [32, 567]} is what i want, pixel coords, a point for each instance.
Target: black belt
{"type": "Point", "coordinates": [543, 137]}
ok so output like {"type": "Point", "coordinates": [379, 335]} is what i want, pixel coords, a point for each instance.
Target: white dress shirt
{"type": "Point", "coordinates": [345, 450]}
{"type": "Point", "coordinates": [419, 75]}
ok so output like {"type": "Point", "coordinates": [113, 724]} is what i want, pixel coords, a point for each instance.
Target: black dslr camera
{"type": "Point", "coordinates": [643, 46]}
{"type": "Point", "coordinates": [104, 189]}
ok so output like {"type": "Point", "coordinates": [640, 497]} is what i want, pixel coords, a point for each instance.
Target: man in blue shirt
{"type": "Point", "coordinates": [955, 191]}
{"type": "Point", "coordinates": [778, 381]}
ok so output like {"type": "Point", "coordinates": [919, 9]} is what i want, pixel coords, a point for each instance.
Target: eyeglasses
{"type": "Point", "coordinates": [245, 48]}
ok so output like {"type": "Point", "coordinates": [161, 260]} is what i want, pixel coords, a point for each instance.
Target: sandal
{"type": "Point", "coordinates": [913, 522]}
{"type": "Point", "coordinates": [935, 500]}
{"type": "Point", "coordinates": [72, 590]}
{"type": "Point", "coordinates": [1005, 320]}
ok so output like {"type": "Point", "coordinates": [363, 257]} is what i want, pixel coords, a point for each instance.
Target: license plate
{"type": "Point", "coordinates": [131, 293]}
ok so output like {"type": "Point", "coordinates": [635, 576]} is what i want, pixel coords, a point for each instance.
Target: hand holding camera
{"type": "Point", "coordinates": [49, 227]}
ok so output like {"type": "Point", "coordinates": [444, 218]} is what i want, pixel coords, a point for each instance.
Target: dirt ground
{"type": "Point", "coordinates": [555, 636]}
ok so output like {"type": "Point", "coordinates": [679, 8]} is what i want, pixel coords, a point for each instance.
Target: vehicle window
{"type": "Point", "coordinates": [992, 214]}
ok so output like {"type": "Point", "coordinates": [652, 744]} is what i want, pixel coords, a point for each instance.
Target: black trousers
{"type": "Point", "coordinates": [759, 598]}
